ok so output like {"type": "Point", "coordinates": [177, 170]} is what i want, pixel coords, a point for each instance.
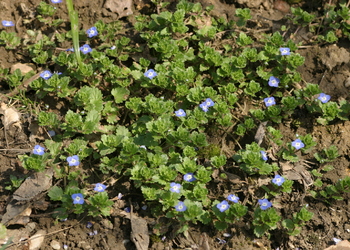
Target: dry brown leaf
{"type": "Point", "coordinates": [10, 116]}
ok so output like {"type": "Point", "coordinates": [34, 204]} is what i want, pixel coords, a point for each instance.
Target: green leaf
{"type": "Point", "coordinates": [55, 193]}
{"type": "Point", "coordinates": [120, 94]}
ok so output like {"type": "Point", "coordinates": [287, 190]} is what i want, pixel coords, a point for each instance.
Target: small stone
{"type": "Point", "coordinates": [24, 68]}
{"type": "Point", "coordinates": [55, 245]}
{"type": "Point", "coordinates": [347, 82]}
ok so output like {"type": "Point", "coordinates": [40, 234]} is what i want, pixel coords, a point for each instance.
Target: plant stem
{"type": "Point", "coordinates": [74, 22]}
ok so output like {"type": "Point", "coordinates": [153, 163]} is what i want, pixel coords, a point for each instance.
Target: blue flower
{"type": "Point", "coordinates": [78, 198]}
{"type": "Point", "coordinates": [113, 48]}
{"type": "Point", "coordinates": [73, 160]}
{"type": "Point", "coordinates": [180, 207]}
{"type": "Point", "coordinates": [46, 75]}
{"type": "Point", "coordinates": [298, 144]}
{"type": "Point", "coordinates": [273, 81]}
{"type": "Point", "coordinates": [233, 198]}
{"type": "Point", "coordinates": [189, 177]}
{"type": "Point", "coordinates": [264, 155]}
{"type": "Point", "coordinates": [223, 206]}
{"type": "Point", "coordinates": [150, 74]}
{"type": "Point", "coordinates": [89, 225]}
{"type": "Point", "coordinates": [180, 113]}
{"type": "Point", "coordinates": [264, 204]}
{"type": "Point", "coordinates": [204, 107]}
{"type": "Point", "coordinates": [209, 102]}
{"type": "Point", "coordinates": [85, 49]}
{"type": "Point", "coordinates": [38, 150]}
{"type": "Point", "coordinates": [324, 98]}
{"type": "Point", "coordinates": [70, 49]}
{"type": "Point", "coordinates": [285, 51]}
{"type": "Point", "coordinates": [175, 187]}
{"type": "Point", "coordinates": [92, 32]}
{"type": "Point", "coordinates": [278, 180]}
{"type": "Point", "coordinates": [269, 101]}
{"type": "Point", "coordinates": [99, 187]}
{"type": "Point", "coordinates": [93, 233]}
{"type": "Point", "coordinates": [56, 1]}
{"type": "Point", "coordinates": [7, 23]}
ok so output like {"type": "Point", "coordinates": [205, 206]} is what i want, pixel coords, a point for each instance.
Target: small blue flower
{"type": "Point", "coordinates": [180, 207]}
{"type": "Point", "coordinates": [278, 180]}
{"type": "Point", "coordinates": [73, 160]}
{"type": "Point", "coordinates": [89, 225]}
{"type": "Point", "coordinates": [175, 187]}
{"type": "Point", "coordinates": [189, 177]}
{"type": "Point", "coordinates": [93, 233]}
{"type": "Point", "coordinates": [92, 32]}
{"type": "Point", "coordinates": [113, 48]}
{"type": "Point", "coordinates": [120, 195]}
{"type": "Point", "coordinates": [78, 198]}
{"type": "Point", "coordinates": [324, 98]}
{"type": "Point", "coordinates": [273, 81]}
{"type": "Point", "coordinates": [56, 1]}
{"type": "Point", "coordinates": [99, 187]}
{"type": "Point", "coordinates": [264, 204]}
{"type": "Point", "coordinates": [85, 49]}
{"type": "Point", "coordinates": [127, 209]}
{"type": "Point", "coordinates": [38, 150]}
{"type": "Point", "coordinates": [209, 102]}
{"type": "Point", "coordinates": [269, 101]}
{"type": "Point", "coordinates": [65, 247]}
{"type": "Point", "coordinates": [223, 206]}
{"type": "Point", "coordinates": [7, 23]}
{"type": "Point", "coordinates": [46, 75]}
{"type": "Point", "coordinates": [298, 144]}
{"type": "Point", "coordinates": [233, 198]}
{"type": "Point", "coordinates": [204, 107]}
{"type": "Point", "coordinates": [150, 74]}
{"type": "Point", "coordinates": [285, 51]}
{"type": "Point", "coordinates": [70, 49]}
{"type": "Point", "coordinates": [180, 113]}
{"type": "Point", "coordinates": [264, 155]}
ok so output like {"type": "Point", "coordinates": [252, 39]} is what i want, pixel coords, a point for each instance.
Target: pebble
{"type": "Point", "coordinates": [55, 245]}
{"type": "Point", "coordinates": [347, 82]}
{"type": "Point", "coordinates": [281, 6]}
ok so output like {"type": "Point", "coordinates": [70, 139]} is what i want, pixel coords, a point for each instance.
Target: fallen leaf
{"type": "Point", "coordinates": [30, 191]}
{"type": "Point", "coordinates": [11, 116]}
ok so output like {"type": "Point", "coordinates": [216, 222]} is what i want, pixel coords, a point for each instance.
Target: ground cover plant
{"type": "Point", "coordinates": [193, 124]}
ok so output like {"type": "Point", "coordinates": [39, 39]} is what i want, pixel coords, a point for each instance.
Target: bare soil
{"type": "Point", "coordinates": [326, 65]}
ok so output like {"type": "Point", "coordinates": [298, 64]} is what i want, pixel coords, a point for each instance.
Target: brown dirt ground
{"type": "Point", "coordinates": [329, 220]}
